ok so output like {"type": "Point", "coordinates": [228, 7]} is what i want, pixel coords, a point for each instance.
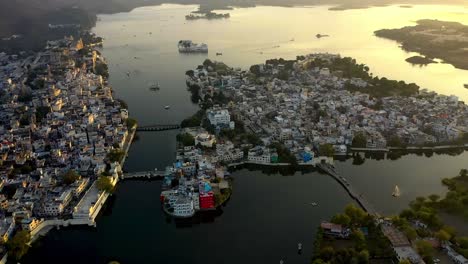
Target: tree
{"type": "Point", "coordinates": [450, 230]}
{"type": "Point", "coordinates": [463, 173]}
{"type": "Point", "coordinates": [115, 155]}
{"type": "Point", "coordinates": [70, 177]}
{"type": "Point", "coordinates": [255, 69]}
{"type": "Point", "coordinates": [359, 239]}
{"type": "Point", "coordinates": [102, 69]}
{"type": "Point", "coordinates": [400, 221]}
{"type": "Point", "coordinates": [410, 232]}
{"type": "Point", "coordinates": [131, 123]}
{"type": "Point", "coordinates": [341, 219]}
{"type": "Point", "coordinates": [318, 261]}
{"type": "Point", "coordinates": [356, 214]}
{"type": "Point", "coordinates": [359, 140]}
{"type": "Point", "coordinates": [326, 150]}
{"type": "Point", "coordinates": [463, 242]}
{"type": "Point", "coordinates": [442, 235]}
{"type": "Point", "coordinates": [424, 248]}
{"type": "Point", "coordinates": [17, 246]}
{"type": "Point", "coordinates": [326, 253]}
{"type": "Point", "coordinates": [283, 75]}
{"type": "Point", "coordinates": [186, 139]}
{"type": "Point", "coordinates": [363, 257]}
{"type": "Point", "coordinates": [104, 184]}
{"type": "Point", "coordinates": [26, 169]}
{"type": "Point", "coordinates": [407, 213]}
{"type": "Point", "coordinates": [405, 261]}
{"type": "Point", "coordinates": [395, 141]}
{"type": "Point", "coordinates": [434, 197]}
{"type": "Point", "coordinates": [420, 200]}
{"type": "Point", "coordinates": [193, 121]}
{"type": "Point", "coordinates": [41, 112]}
{"type": "Point", "coordinates": [123, 104]}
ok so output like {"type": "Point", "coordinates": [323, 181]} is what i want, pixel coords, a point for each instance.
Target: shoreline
{"type": "Point", "coordinates": [46, 225]}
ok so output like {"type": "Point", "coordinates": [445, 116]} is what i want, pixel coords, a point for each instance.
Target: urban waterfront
{"type": "Point", "coordinates": [264, 216]}
{"type": "Point", "coordinates": [267, 213]}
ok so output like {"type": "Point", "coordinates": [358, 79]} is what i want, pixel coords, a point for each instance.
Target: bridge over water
{"type": "Point", "coordinates": [359, 198]}
{"type": "Point", "coordinates": [158, 127]}
{"type": "Point", "coordinates": [143, 175]}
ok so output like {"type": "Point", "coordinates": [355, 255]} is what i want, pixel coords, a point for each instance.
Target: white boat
{"type": "Point", "coordinates": [187, 46]}
{"type": "Point", "coordinates": [154, 87]}
{"type": "Point", "coordinates": [167, 107]}
{"type": "Point", "coordinates": [396, 192]}
{"type": "Point", "coordinates": [299, 246]}
{"type": "Point", "coordinates": [313, 204]}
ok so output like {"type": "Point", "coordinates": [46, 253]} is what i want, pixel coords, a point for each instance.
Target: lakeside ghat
{"type": "Point", "coordinates": [63, 140]}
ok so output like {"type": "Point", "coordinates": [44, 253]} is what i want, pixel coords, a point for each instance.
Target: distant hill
{"type": "Point", "coordinates": [30, 18]}
{"type": "Point", "coordinates": [433, 39]}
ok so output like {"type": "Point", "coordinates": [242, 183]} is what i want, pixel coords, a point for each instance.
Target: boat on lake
{"type": "Point", "coordinates": [187, 46]}
{"type": "Point", "coordinates": [167, 107]}
{"type": "Point", "coordinates": [396, 192]}
{"type": "Point", "coordinates": [321, 36]}
{"type": "Point", "coordinates": [219, 53]}
{"type": "Point", "coordinates": [465, 85]}
{"type": "Point", "coordinates": [154, 87]}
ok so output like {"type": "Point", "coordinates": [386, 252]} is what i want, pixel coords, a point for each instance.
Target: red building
{"type": "Point", "coordinates": [207, 200]}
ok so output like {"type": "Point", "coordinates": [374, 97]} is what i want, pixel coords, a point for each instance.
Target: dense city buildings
{"type": "Point", "coordinates": [324, 99]}
{"type": "Point", "coordinates": [58, 123]}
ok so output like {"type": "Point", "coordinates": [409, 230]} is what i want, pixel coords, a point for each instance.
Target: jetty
{"type": "Point", "coordinates": [359, 198]}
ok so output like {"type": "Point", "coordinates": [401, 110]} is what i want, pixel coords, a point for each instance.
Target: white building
{"type": "Point", "coordinates": [259, 155]}
{"type": "Point", "coordinates": [30, 224]}
{"type": "Point", "coordinates": [205, 139]}
{"type": "Point", "coordinates": [408, 253]}
{"type": "Point", "coordinates": [219, 118]}
{"type": "Point", "coordinates": [65, 197]}
{"type": "Point", "coordinates": [184, 207]}
{"type": "Point", "coordinates": [53, 209]}
{"type": "Point", "coordinates": [196, 201]}
{"type": "Point", "coordinates": [7, 226]}
{"type": "Point", "coordinates": [454, 256]}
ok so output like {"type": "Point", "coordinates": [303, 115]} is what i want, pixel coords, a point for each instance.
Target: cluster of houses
{"type": "Point", "coordinates": [197, 177]}
{"type": "Point", "coordinates": [313, 106]}
{"type": "Point", "coordinates": [56, 117]}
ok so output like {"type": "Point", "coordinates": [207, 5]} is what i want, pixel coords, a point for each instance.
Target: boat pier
{"type": "Point", "coordinates": [359, 198]}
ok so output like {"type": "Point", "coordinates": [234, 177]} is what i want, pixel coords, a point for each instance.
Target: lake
{"type": "Point", "coordinates": [268, 214]}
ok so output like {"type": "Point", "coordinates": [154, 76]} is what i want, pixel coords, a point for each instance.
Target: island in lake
{"type": "Point", "coordinates": [208, 15]}
{"type": "Point", "coordinates": [433, 39]}
{"type": "Point", "coordinates": [420, 60]}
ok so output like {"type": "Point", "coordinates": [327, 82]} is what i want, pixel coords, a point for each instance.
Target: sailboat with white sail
{"type": "Point", "coordinates": [396, 192]}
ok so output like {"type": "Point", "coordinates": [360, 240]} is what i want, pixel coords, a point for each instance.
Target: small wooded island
{"type": "Point", "coordinates": [420, 60]}
{"type": "Point", "coordinates": [208, 15]}
{"type": "Point", "coordinates": [433, 39]}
